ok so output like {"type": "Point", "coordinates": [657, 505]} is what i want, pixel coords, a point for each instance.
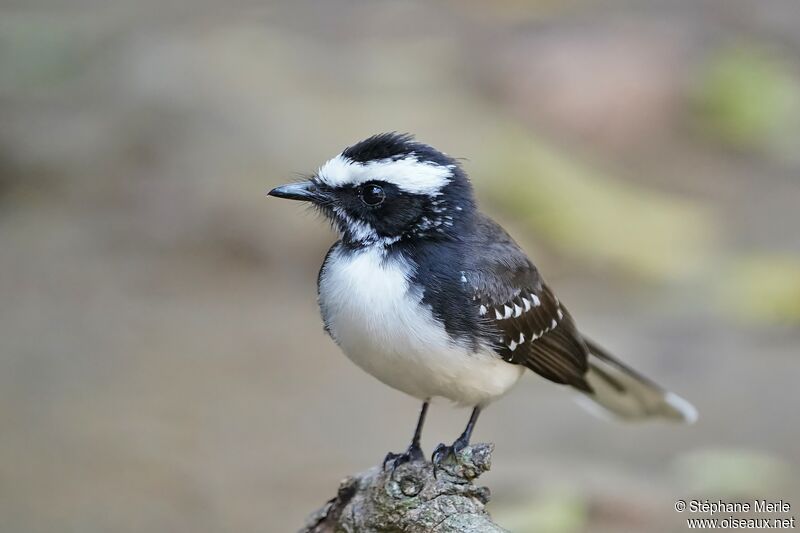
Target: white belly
{"type": "Point", "coordinates": [383, 327]}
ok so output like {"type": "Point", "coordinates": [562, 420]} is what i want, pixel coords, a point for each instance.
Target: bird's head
{"type": "Point", "coordinates": [387, 188]}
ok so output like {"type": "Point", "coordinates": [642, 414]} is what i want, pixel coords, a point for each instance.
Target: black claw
{"type": "Point", "coordinates": [391, 459]}
{"type": "Point", "coordinates": [440, 453]}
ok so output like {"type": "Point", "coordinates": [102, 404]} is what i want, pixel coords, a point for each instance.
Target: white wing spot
{"type": "Point", "coordinates": [527, 304]}
{"type": "Point", "coordinates": [536, 301]}
{"type": "Point", "coordinates": [560, 314]}
{"type": "Point", "coordinates": [521, 338]}
{"type": "Point", "coordinates": [553, 324]}
{"type": "Point", "coordinates": [497, 314]}
{"type": "Point", "coordinates": [517, 310]}
{"type": "Point", "coordinates": [463, 278]}
{"type": "Point", "coordinates": [512, 346]}
{"type": "Point", "coordinates": [483, 310]}
{"type": "Point", "coordinates": [508, 311]}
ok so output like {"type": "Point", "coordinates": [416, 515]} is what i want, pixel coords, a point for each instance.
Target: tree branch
{"type": "Point", "coordinates": [413, 499]}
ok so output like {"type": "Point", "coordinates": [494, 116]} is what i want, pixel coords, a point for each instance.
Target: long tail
{"type": "Point", "coordinates": [627, 394]}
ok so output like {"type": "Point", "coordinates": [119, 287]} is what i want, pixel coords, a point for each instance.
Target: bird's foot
{"type": "Point", "coordinates": [445, 454]}
{"type": "Point", "coordinates": [393, 460]}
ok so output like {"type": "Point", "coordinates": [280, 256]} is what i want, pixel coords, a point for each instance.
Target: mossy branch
{"type": "Point", "coordinates": [415, 498]}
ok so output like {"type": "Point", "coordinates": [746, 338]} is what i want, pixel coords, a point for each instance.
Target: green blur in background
{"type": "Point", "coordinates": [162, 364]}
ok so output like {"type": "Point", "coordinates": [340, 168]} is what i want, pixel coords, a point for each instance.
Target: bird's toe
{"type": "Point", "coordinates": [393, 460]}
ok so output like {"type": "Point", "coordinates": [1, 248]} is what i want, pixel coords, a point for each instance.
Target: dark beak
{"type": "Point", "coordinates": [306, 191]}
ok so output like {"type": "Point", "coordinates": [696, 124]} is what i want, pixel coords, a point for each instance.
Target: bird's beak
{"type": "Point", "coordinates": [306, 191]}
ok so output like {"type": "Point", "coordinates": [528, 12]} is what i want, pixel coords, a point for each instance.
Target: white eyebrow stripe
{"type": "Point", "coordinates": [409, 174]}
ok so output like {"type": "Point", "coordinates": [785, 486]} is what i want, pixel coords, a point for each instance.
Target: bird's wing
{"type": "Point", "coordinates": [532, 327]}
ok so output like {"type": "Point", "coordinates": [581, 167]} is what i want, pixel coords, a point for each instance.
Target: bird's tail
{"type": "Point", "coordinates": [621, 391]}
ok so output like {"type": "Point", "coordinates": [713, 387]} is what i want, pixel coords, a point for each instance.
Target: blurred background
{"type": "Point", "coordinates": [162, 363]}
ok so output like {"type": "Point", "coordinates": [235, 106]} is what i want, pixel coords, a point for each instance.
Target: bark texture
{"type": "Point", "coordinates": [415, 498]}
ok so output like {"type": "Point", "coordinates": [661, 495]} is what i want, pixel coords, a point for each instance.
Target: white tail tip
{"type": "Point", "coordinates": [686, 410]}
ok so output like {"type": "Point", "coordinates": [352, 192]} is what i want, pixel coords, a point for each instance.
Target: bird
{"type": "Point", "coordinates": [433, 298]}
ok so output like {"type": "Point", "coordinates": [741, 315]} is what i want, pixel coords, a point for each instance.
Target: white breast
{"type": "Point", "coordinates": [382, 325]}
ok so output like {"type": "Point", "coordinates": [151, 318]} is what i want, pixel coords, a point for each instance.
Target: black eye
{"type": "Point", "coordinates": [372, 195]}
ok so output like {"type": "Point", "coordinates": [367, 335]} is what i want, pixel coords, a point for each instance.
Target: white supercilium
{"type": "Point", "coordinates": [409, 174]}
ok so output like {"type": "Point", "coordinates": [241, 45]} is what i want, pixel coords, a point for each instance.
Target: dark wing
{"type": "Point", "coordinates": [532, 327]}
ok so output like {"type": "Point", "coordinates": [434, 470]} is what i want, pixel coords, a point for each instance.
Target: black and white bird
{"type": "Point", "coordinates": [433, 298]}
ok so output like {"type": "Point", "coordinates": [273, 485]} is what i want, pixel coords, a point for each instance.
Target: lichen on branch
{"type": "Point", "coordinates": [414, 498]}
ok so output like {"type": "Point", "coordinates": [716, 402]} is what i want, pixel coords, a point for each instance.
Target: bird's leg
{"type": "Point", "coordinates": [460, 443]}
{"type": "Point", "coordinates": [463, 441]}
{"type": "Point", "coordinates": [414, 451]}
{"type": "Point", "coordinates": [415, 441]}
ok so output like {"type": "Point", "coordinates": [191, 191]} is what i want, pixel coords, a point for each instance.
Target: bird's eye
{"type": "Point", "coordinates": [372, 195]}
